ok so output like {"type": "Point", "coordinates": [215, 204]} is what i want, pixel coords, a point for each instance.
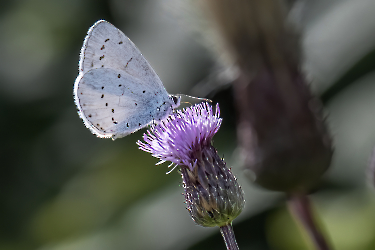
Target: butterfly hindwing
{"type": "Point", "coordinates": [113, 103]}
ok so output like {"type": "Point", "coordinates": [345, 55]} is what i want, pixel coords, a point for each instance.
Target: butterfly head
{"type": "Point", "coordinates": [176, 100]}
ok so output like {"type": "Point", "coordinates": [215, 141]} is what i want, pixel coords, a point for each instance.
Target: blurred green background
{"type": "Point", "coordinates": [62, 188]}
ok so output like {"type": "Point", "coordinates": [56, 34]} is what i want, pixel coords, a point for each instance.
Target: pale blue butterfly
{"type": "Point", "coordinates": [117, 92]}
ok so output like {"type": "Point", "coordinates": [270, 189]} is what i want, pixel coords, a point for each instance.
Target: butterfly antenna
{"type": "Point", "coordinates": [198, 98]}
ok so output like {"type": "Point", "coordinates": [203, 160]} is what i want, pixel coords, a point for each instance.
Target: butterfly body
{"type": "Point", "coordinates": [117, 92]}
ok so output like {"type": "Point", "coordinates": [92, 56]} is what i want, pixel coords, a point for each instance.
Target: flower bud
{"type": "Point", "coordinates": [213, 196]}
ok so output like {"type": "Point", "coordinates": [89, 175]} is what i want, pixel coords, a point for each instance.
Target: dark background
{"type": "Point", "coordinates": [63, 188]}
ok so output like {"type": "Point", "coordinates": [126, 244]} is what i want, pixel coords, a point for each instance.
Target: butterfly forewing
{"type": "Point", "coordinates": [105, 46]}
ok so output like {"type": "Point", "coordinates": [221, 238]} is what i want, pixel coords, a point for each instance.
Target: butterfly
{"type": "Point", "coordinates": [116, 91]}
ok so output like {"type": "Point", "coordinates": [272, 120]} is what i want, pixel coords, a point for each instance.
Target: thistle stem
{"type": "Point", "coordinates": [229, 238]}
{"type": "Point", "coordinates": [300, 208]}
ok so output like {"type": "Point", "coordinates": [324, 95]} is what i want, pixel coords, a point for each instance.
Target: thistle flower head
{"type": "Point", "coordinates": [183, 135]}
{"type": "Point", "coordinates": [212, 194]}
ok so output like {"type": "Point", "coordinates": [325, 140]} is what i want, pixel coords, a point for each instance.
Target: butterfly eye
{"type": "Point", "coordinates": [175, 99]}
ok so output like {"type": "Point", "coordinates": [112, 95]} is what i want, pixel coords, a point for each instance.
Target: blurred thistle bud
{"type": "Point", "coordinates": [281, 133]}
{"type": "Point", "coordinates": [371, 169]}
{"type": "Point", "coordinates": [213, 196]}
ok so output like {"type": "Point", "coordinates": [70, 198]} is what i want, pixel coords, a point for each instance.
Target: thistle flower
{"type": "Point", "coordinates": [212, 194]}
